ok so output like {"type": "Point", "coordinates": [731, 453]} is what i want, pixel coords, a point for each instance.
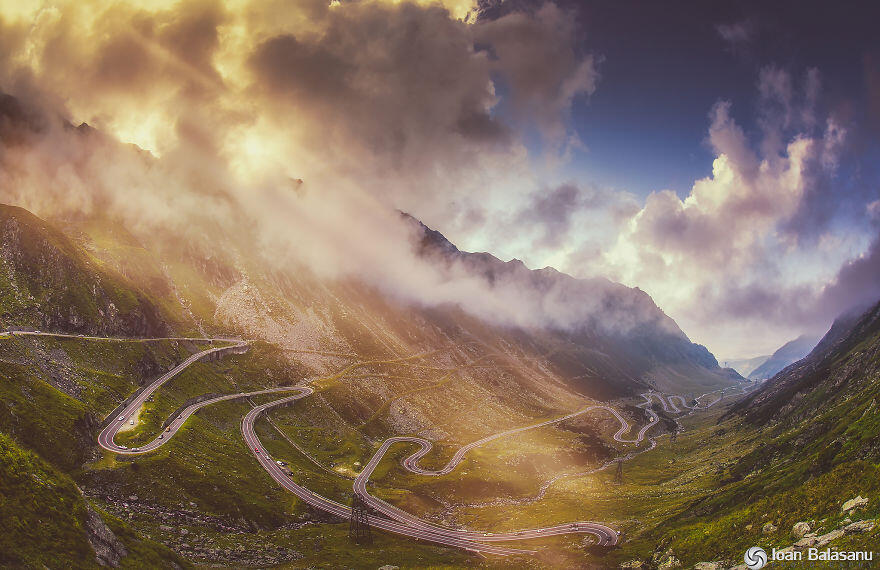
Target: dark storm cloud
{"type": "Point", "coordinates": [537, 54]}
{"type": "Point", "coordinates": [553, 212]}
{"type": "Point", "coordinates": [422, 78]}
{"type": "Point", "coordinates": [288, 66]}
{"type": "Point", "coordinates": [857, 283]}
{"type": "Point", "coordinates": [419, 85]}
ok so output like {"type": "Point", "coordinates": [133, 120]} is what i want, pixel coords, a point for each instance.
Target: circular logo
{"type": "Point", "coordinates": [755, 557]}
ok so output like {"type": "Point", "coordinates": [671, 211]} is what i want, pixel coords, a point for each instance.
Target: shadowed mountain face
{"type": "Point", "coordinates": [843, 364]}
{"type": "Point", "coordinates": [788, 353]}
{"type": "Point", "coordinates": [623, 333]}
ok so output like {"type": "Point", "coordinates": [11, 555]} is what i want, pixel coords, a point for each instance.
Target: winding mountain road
{"type": "Point", "coordinates": [385, 516]}
{"type": "Point", "coordinates": [105, 438]}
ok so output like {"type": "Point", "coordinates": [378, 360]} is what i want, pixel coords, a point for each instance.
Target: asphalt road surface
{"type": "Point", "coordinates": [385, 516]}
{"type": "Point", "coordinates": [105, 438]}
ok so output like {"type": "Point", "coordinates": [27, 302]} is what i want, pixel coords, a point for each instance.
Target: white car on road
{"type": "Point", "coordinates": [122, 418]}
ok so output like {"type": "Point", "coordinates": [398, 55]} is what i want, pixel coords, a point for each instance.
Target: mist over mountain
{"type": "Point", "coordinates": [843, 362]}
{"type": "Point", "coordinates": [745, 366]}
{"type": "Point", "coordinates": [788, 353]}
{"type": "Point", "coordinates": [231, 236]}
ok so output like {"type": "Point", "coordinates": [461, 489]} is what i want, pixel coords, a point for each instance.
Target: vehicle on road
{"type": "Point", "coordinates": [135, 448]}
{"type": "Point", "coordinates": [168, 429]}
{"type": "Point", "coordinates": [122, 418]}
{"type": "Point", "coordinates": [122, 447]}
{"type": "Point", "coordinates": [161, 436]}
{"type": "Point", "coordinates": [257, 449]}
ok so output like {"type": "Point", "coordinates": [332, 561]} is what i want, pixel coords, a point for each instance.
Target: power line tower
{"type": "Point", "coordinates": [359, 522]}
{"type": "Point", "coordinates": [618, 475]}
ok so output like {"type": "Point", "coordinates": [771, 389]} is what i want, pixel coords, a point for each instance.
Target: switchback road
{"type": "Point", "coordinates": [386, 516]}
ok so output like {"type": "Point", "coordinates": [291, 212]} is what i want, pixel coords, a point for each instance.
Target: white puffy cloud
{"type": "Point", "coordinates": [728, 261]}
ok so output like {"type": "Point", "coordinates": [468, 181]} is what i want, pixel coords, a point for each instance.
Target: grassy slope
{"type": "Point", "coordinates": [668, 494]}
{"type": "Point", "coordinates": [42, 518]}
{"type": "Point", "coordinates": [799, 474]}
{"type": "Point", "coordinates": [56, 283]}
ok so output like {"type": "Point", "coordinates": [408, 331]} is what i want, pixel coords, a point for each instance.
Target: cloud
{"type": "Point", "coordinates": [413, 119]}
{"type": "Point", "coordinates": [551, 216]}
{"type": "Point", "coordinates": [754, 246]}
{"type": "Point", "coordinates": [737, 36]}
{"type": "Point", "coordinates": [736, 33]}
{"type": "Point", "coordinates": [536, 54]}
{"type": "Point", "coordinates": [857, 283]}
{"type": "Point", "coordinates": [374, 106]}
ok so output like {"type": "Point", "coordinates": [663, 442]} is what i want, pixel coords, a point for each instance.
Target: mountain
{"type": "Point", "coordinates": [745, 366]}
{"type": "Point", "coordinates": [799, 455]}
{"type": "Point", "coordinates": [382, 367]}
{"type": "Point", "coordinates": [842, 364]}
{"type": "Point", "coordinates": [622, 324]}
{"type": "Point", "coordinates": [47, 282]}
{"type": "Point", "coordinates": [787, 354]}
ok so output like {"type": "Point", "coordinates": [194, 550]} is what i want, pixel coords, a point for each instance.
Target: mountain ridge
{"type": "Point", "coordinates": [785, 355]}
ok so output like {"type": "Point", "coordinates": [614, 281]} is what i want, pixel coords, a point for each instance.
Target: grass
{"type": "Point", "coordinates": [42, 519]}
{"type": "Point", "coordinates": [696, 496]}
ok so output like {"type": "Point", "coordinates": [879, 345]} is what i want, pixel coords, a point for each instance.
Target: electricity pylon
{"type": "Point", "coordinates": [359, 522]}
{"type": "Point", "coordinates": [618, 475]}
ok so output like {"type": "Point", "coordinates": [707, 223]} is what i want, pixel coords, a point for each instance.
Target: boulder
{"type": "Point", "coordinates": [769, 528]}
{"type": "Point", "coordinates": [853, 504]}
{"type": "Point", "coordinates": [800, 529]}
{"type": "Point", "coordinates": [806, 542]}
{"type": "Point", "coordinates": [707, 566]}
{"type": "Point", "coordinates": [108, 549]}
{"type": "Point", "coordinates": [859, 527]}
{"type": "Point", "coordinates": [828, 537]}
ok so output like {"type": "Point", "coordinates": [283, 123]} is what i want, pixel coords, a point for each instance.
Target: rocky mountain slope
{"type": "Point", "coordinates": [609, 322]}
{"type": "Point", "coordinates": [796, 461]}
{"type": "Point", "coordinates": [47, 282]}
{"type": "Point", "coordinates": [843, 365]}
{"type": "Point", "coordinates": [788, 353]}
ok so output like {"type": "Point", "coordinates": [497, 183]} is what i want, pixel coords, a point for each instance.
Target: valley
{"type": "Point", "coordinates": [407, 524]}
{"type": "Point", "coordinates": [468, 442]}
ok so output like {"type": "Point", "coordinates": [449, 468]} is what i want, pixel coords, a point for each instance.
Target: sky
{"type": "Point", "coordinates": [721, 157]}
